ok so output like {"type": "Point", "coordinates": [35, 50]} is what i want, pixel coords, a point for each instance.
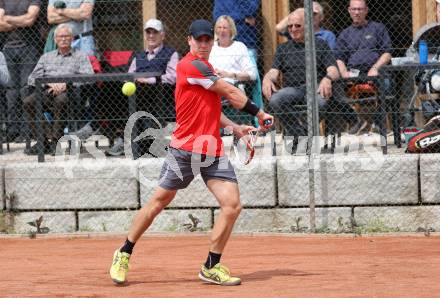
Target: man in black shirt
{"type": "Point", "coordinates": [17, 20]}
{"type": "Point", "coordinates": [290, 62]}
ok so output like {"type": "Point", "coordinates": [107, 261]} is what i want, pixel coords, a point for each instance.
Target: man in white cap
{"type": "Point", "coordinates": [157, 56]}
{"type": "Point", "coordinates": [156, 93]}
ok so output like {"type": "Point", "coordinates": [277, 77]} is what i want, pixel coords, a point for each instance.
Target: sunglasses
{"type": "Point", "coordinates": [294, 25]}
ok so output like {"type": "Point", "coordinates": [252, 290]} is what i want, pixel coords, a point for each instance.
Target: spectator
{"type": "Point", "coordinates": [17, 20]}
{"type": "Point", "coordinates": [65, 60]}
{"type": "Point", "coordinates": [78, 14]}
{"type": "Point", "coordinates": [244, 13]}
{"type": "Point", "coordinates": [155, 94]}
{"type": "Point", "coordinates": [4, 72]}
{"type": "Point", "coordinates": [290, 62]}
{"type": "Point", "coordinates": [231, 59]}
{"type": "Point", "coordinates": [320, 32]}
{"type": "Point", "coordinates": [362, 48]}
{"type": "Point", "coordinates": [365, 45]}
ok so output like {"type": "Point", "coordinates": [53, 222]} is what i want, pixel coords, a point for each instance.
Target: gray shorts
{"type": "Point", "coordinates": [180, 168]}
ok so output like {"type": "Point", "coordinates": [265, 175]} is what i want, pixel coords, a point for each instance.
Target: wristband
{"type": "Point", "coordinates": [250, 108]}
{"type": "Point", "coordinates": [329, 77]}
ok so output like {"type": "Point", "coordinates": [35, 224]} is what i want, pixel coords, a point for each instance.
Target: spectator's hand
{"type": "Point", "coordinates": [373, 72]}
{"type": "Point", "coordinates": [146, 80]}
{"type": "Point", "coordinates": [325, 88]}
{"type": "Point", "coordinates": [251, 21]}
{"type": "Point", "coordinates": [56, 88]}
{"type": "Point", "coordinates": [268, 88]}
{"type": "Point", "coordinates": [345, 74]}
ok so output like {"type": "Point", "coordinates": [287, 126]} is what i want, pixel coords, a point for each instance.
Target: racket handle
{"type": "Point", "coordinates": [267, 122]}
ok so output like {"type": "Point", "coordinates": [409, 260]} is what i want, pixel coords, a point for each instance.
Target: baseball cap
{"type": "Point", "coordinates": [201, 27]}
{"type": "Point", "coordinates": [154, 24]}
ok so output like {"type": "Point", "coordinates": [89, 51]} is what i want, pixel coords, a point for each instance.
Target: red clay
{"type": "Point", "coordinates": [270, 266]}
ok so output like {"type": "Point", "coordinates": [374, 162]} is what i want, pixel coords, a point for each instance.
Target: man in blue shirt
{"type": "Point", "coordinates": [364, 46]}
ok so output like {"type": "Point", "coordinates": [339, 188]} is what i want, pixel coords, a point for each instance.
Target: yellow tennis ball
{"type": "Point", "coordinates": [129, 88]}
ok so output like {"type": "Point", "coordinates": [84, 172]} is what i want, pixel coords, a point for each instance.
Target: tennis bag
{"type": "Point", "coordinates": [428, 139]}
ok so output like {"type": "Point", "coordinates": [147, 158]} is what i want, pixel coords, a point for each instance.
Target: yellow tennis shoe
{"type": "Point", "coordinates": [219, 274]}
{"type": "Point", "coordinates": [119, 268]}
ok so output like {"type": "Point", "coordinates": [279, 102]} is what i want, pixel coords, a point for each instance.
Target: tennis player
{"type": "Point", "coordinates": [196, 148]}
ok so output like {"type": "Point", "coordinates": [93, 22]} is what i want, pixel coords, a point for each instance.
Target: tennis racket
{"type": "Point", "coordinates": [244, 148]}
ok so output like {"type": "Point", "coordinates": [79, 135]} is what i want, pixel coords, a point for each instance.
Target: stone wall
{"type": "Point", "coordinates": [379, 193]}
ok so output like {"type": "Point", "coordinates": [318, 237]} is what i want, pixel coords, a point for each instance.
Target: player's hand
{"type": "Point", "coordinates": [243, 130]}
{"type": "Point", "coordinates": [265, 120]}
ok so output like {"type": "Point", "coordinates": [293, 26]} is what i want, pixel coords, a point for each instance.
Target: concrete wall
{"type": "Point", "coordinates": [373, 193]}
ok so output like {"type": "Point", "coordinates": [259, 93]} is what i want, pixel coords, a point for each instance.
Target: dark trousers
{"type": "Point", "coordinates": [289, 105]}
{"type": "Point", "coordinates": [55, 105]}
{"type": "Point", "coordinates": [21, 61]}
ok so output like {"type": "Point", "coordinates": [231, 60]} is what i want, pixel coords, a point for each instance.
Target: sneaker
{"type": "Point", "coordinates": [119, 268]}
{"type": "Point", "coordinates": [85, 132]}
{"type": "Point", "coordinates": [219, 274]}
{"type": "Point", "coordinates": [117, 149]}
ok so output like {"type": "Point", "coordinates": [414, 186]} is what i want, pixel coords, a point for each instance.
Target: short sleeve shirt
{"type": "Point", "coordinates": [290, 59]}
{"type": "Point", "coordinates": [78, 27]}
{"type": "Point", "coordinates": [361, 46]}
{"type": "Point", "coordinates": [21, 36]}
{"type": "Point", "coordinates": [198, 109]}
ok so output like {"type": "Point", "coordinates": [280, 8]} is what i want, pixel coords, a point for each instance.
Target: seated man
{"type": "Point", "coordinates": [155, 95]}
{"type": "Point", "coordinates": [291, 63]}
{"type": "Point", "coordinates": [320, 32]}
{"type": "Point", "coordinates": [62, 61]}
{"type": "Point", "coordinates": [363, 47]}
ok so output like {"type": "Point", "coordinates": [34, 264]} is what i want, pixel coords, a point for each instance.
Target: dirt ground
{"type": "Point", "coordinates": [270, 266]}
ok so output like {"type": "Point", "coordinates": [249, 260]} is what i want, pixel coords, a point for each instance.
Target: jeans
{"type": "Point", "coordinates": [21, 62]}
{"type": "Point", "coordinates": [289, 105]}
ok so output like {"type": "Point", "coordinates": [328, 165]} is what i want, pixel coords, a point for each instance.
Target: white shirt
{"type": "Point", "coordinates": [234, 58]}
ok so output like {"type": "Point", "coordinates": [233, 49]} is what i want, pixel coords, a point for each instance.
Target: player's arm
{"type": "Point", "coordinates": [24, 20]}
{"type": "Point", "coordinates": [239, 100]}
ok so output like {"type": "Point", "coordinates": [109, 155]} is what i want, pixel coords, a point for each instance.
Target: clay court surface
{"type": "Point", "coordinates": [270, 266]}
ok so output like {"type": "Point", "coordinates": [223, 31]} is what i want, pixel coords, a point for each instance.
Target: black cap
{"type": "Point", "coordinates": [201, 27]}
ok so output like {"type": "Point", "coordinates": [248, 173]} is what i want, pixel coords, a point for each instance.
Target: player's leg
{"type": "Point", "coordinates": [222, 182]}
{"type": "Point", "coordinates": [227, 195]}
{"type": "Point", "coordinates": [160, 199]}
{"type": "Point", "coordinates": [176, 174]}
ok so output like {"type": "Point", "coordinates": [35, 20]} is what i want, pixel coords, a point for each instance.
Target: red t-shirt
{"type": "Point", "coordinates": [198, 109]}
